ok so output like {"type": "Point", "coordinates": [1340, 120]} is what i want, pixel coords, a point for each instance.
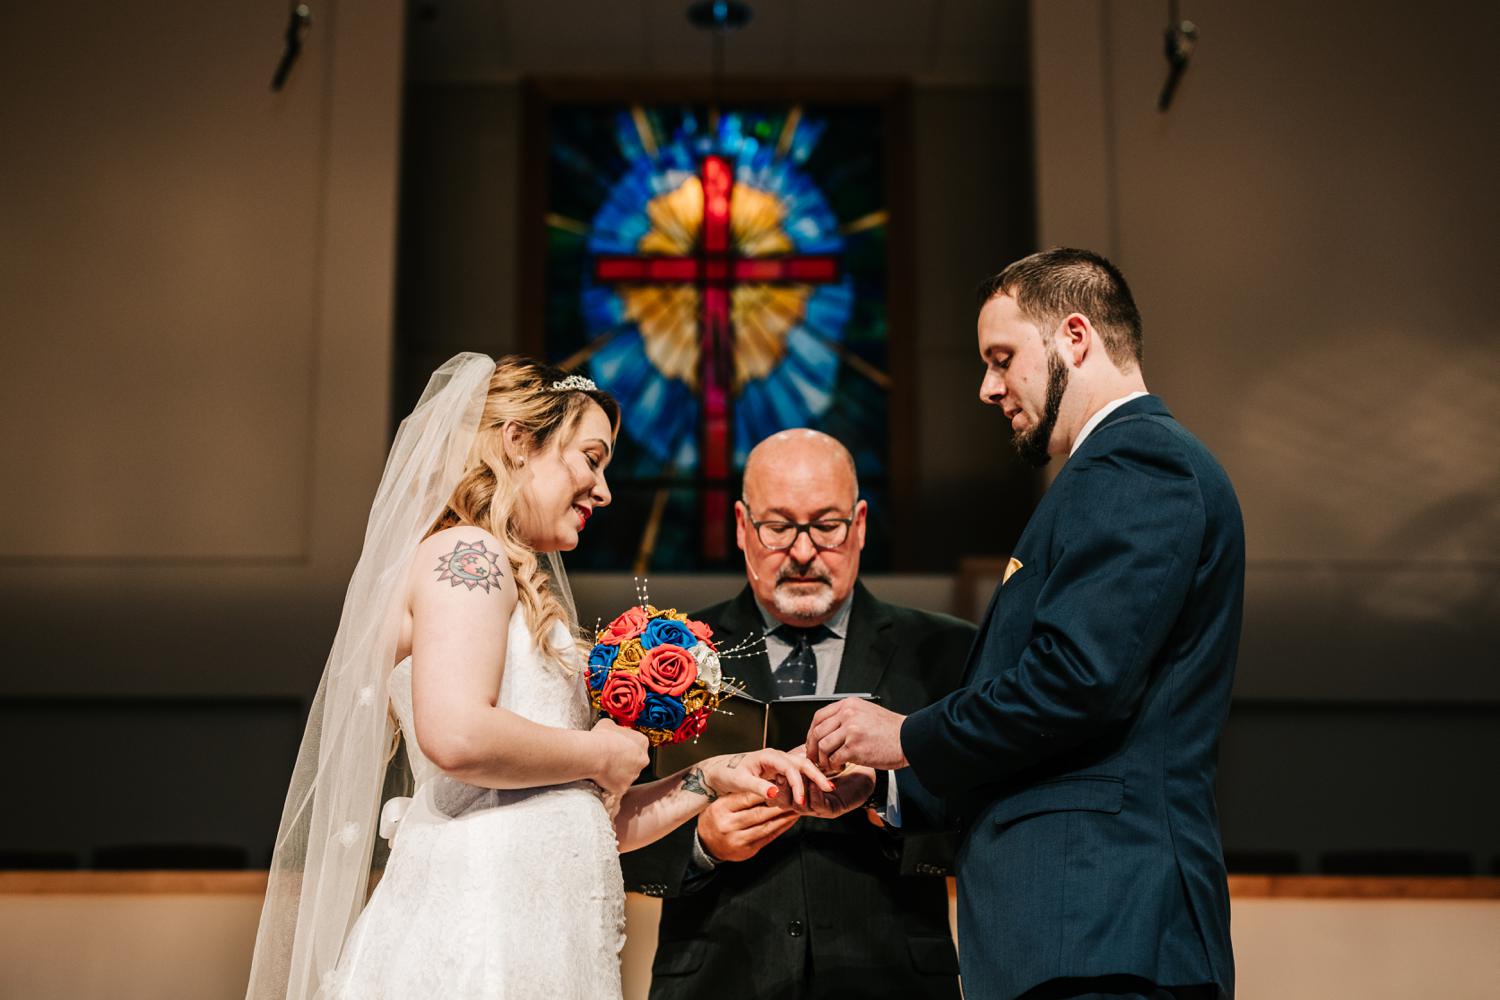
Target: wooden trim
{"type": "Point", "coordinates": [1351, 887]}
{"type": "Point", "coordinates": [143, 883]}
{"type": "Point", "coordinates": [253, 883]}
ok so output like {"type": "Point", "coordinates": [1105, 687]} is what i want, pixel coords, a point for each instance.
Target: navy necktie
{"type": "Point", "coordinates": [798, 673]}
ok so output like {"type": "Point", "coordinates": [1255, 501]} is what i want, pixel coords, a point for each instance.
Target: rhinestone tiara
{"type": "Point", "coordinates": [574, 383]}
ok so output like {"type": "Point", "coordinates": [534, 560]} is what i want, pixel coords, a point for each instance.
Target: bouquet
{"type": "Point", "coordinates": [657, 672]}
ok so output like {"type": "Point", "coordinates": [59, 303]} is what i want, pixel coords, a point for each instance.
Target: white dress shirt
{"type": "Point", "coordinates": [1100, 414]}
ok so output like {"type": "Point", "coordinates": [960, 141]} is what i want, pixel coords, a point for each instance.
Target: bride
{"type": "Point", "coordinates": [503, 878]}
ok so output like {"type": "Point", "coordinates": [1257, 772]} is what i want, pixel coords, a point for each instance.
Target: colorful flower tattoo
{"type": "Point", "coordinates": [470, 565]}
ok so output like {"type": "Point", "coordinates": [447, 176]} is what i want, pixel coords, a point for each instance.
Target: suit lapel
{"type": "Point", "coordinates": [1147, 405]}
{"type": "Point", "coordinates": [979, 636]}
{"type": "Point", "coordinates": [740, 621]}
{"type": "Point", "coordinates": [868, 646]}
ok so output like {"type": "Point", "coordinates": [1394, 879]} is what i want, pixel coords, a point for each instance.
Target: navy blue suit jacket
{"type": "Point", "coordinates": [1080, 755]}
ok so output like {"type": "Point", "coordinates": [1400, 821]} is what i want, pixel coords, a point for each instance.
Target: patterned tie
{"type": "Point", "coordinates": [798, 673]}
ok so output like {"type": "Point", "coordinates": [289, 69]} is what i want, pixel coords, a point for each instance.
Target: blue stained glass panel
{"type": "Point", "coordinates": [809, 182]}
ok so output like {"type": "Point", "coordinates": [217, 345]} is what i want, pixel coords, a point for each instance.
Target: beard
{"type": "Point", "coordinates": [1032, 445]}
{"type": "Point", "coordinates": [808, 602]}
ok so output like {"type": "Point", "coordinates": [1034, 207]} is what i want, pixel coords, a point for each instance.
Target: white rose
{"type": "Point", "coordinates": [708, 667]}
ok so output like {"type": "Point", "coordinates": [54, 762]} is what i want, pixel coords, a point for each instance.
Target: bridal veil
{"type": "Point", "coordinates": [321, 866]}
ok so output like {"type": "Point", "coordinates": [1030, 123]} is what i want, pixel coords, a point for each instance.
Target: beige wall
{"type": "Point", "coordinates": [1310, 234]}
{"type": "Point", "coordinates": [195, 292]}
{"type": "Point", "coordinates": [1319, 949]}
{"type": "Point", "coordinates": [197, 299]}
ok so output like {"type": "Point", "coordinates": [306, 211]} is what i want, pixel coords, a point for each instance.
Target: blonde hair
{"type": "Point", "coordinates": [488, 494]}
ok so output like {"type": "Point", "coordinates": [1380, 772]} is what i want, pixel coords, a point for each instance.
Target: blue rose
{"type": "Point", "coordinates": [661, 712]}
{"type": "Point", "coordinates": [598, 674]}
{"type": "Point", "coordinates": [601, 658]}
{"type": "Point", "coordinates": [667, 632]}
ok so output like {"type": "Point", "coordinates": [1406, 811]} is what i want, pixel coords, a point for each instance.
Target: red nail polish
{"type": "Point", "coordinates": [771, 792]}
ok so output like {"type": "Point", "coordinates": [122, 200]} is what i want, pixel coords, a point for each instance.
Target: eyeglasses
{"type": "Point", "coordinates": [824, 533]}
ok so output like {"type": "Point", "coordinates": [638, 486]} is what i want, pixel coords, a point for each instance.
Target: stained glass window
{"type": "Point", "coordinates": [724, 275]}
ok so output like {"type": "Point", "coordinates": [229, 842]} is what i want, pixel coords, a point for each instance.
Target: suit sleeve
{"type": "Point", "coordinates": [921, 810]}
{"type": "Point", "coordinates": [928, 833]}
{"type": "Point", "coordinates": [924, 819]}
{"type": "Point", "coordinates": [660, 868]}
{"type": "Point", "coordinates": [1126, 538]}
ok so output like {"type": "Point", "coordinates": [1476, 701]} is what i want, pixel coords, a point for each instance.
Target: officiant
{"type": "Point", "coordinates": [759, 902]}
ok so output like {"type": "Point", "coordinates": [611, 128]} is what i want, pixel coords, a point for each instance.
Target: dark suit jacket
{"type": "Point", "coordinates": [1081, 753]}
{"type": "Point", "coordinates": [823, 910]}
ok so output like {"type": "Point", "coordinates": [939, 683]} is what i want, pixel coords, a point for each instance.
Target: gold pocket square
{"type": "Point", "coordinates": [1010, 570]}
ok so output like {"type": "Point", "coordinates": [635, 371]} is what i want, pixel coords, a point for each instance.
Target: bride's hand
{"type": "Point", "coordinates": [774, 775]}
{"type": "Point", "coordinates": [621, 756]}
{"type": "Point", "coordinates": [851, 789]}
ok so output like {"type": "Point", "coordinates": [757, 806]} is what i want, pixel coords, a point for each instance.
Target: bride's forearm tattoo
{"type": "Point", "coordinates": [693, 782]}
{"type": "Point", "coordinates": [470, 565]}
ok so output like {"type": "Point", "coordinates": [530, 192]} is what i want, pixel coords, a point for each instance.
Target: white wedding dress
{"type": "Point", "coordinates": [490, 893]}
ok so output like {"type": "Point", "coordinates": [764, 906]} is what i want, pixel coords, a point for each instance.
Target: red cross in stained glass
{"type": "Point", "coordinates": [716, 270]}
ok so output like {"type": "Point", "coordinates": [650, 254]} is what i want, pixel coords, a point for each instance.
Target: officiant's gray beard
{"type": "Point", "coordinates": [1032, 445]}
{"type": "Point", "coordinates": [803, 607]}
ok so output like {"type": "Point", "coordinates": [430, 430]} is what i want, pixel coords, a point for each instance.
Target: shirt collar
{"type": "Point", "coordinates": [1099, 415]}
{"type": "Point", "coordinates": [838, 624]}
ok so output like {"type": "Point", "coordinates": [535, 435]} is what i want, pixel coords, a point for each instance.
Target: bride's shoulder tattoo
{"type": "Point", "coordinates": [470, 565]}
{"type": "Point", "coordinates": [693, 782]}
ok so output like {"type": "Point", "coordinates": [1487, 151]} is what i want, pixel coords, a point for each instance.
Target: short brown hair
{"type": "Point", "coordinates": [1049, 285]}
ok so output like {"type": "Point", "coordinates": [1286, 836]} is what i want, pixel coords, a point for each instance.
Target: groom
{"type": "Point", "coordinates": [1079, 756]}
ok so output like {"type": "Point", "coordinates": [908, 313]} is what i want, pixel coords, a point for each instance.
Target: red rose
{"type": "Point", "coordinates": [701, 631]}
{"type": "Point", "coordinates": [692, 727]}
{"type": "Point", "coordinates": [669, 670]}
{"type": "Point", "coordinates": [622, 697]}
{"type": "Point", "coordinates": [631, 623]}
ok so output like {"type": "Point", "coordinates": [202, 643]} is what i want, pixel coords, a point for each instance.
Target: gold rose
{"type": "Point", "coordinates": [631, 652]}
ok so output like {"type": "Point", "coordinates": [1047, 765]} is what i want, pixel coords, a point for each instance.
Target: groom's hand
{"type": "Point", "coordinates": [735, 827]}
{"type": "Point", "coordinates": [855, 731]}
